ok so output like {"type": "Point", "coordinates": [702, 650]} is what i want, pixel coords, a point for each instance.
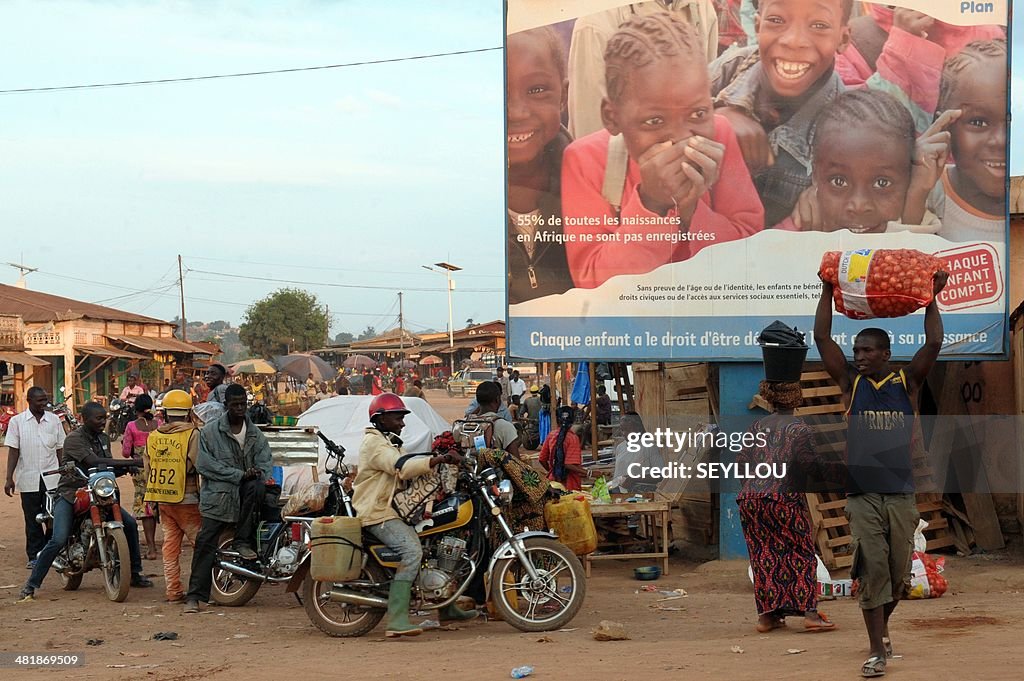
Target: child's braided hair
{"type": "Point", "coordinates": [846, 6]}
{"type": "Point", "coordinates": [642, 41]}
{"type": "Point", "coordinates": [857, 108]}
{"type": "Point", "coordinates": [974, 53]}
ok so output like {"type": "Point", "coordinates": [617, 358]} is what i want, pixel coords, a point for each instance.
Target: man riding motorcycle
{"type": "Point", "coordinates": [382, 463]}
{"type": "Point", "coordinates": [87, 447]}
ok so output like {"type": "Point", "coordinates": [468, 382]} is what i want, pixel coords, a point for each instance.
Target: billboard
{"type": "Point", "coordinates": [676, 172]}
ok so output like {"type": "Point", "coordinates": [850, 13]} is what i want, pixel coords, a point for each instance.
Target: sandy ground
{"type": "Point", "coordinates": [973, 632]}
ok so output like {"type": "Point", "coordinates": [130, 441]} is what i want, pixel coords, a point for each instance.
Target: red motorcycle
{"type": "Point", "coordinates": [97, 538]}
{"type": "Point", "coordinates": [6, 414]}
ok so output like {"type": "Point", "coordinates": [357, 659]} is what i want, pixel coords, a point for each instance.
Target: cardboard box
{"type": "Point", "coordinates": [839, 588]}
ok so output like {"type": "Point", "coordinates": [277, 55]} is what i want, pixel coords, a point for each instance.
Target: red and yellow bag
{"type": "Point", "coordinates": [880, 282]}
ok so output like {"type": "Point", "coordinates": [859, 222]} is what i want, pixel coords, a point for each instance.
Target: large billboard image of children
{"type": "Point", "coordinates": [677, 170]}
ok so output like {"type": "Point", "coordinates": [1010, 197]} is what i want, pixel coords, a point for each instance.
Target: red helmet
{"type": "Point", "coordinates": [387, 403]}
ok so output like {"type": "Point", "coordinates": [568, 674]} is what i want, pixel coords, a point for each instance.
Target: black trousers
{"type": "Point", "coordinates": [201, 580]}
{"type": "Point", "coordinates": [33, 503]}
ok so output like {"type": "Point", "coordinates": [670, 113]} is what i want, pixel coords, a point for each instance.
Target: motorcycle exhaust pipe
{"type": "Point", "coordinates": [241, 571]}
{"type": "Point", "coordinates": [353, 598]}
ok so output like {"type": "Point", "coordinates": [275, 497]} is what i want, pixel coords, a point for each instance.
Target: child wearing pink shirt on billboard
{"type": "Point", "coordinates": [674, 182]}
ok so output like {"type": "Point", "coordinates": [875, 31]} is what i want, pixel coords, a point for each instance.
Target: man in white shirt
{"type": "Point", "coordinates": [34, 440]}
{"type": "Point", "coordinates": [516, 388]}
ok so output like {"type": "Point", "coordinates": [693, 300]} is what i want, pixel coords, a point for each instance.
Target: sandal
{"type": "Point", "coordinates": [872, 667]}
{"type": "Point", "coordinates": [825, 625]}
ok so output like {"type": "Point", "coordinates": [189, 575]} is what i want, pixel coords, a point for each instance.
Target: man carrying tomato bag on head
{"type": "Point", "coordinates": [880, 503]}
{"type": "Point", "coordinates": [172, 481]}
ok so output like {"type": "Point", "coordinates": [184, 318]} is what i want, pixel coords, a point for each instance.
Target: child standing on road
{"type": "Point", "coordinates": [665, 178]}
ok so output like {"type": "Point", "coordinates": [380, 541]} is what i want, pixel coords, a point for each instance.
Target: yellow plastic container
{"type": "Point", "coordinates": [570, 518]}
{"type": "Point", "coordinates": [336, 547]}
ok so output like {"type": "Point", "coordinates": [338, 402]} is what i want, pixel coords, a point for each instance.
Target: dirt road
{"type": "Point", "coordinates": [972, 632]}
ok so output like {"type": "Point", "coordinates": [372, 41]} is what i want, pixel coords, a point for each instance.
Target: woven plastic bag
{"type": "Point", "coordinates": [310, 499]}
{"type": "Point", "coordinates": [869, 283]}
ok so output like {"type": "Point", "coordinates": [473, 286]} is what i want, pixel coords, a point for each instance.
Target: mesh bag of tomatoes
{"type": "Point", "coordinates": [880, 282]}
{"type": "Point", "coordinates": [926, 580]}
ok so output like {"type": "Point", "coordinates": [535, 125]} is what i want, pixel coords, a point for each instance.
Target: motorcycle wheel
{"type": "Point", "coordinates": [450, 393]}
{"type": "Point", "coordinates": [229, 589]}
{"type": "Point", "coordinates": [551, 602]}
{"type": "Point", "coordinates": [117, 574]}
{"type": "Point", "coordinates": [340, 619]}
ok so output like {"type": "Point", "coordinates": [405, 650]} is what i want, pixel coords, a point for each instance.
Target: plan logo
{"type": "Point", "coordinates": [971, 7]}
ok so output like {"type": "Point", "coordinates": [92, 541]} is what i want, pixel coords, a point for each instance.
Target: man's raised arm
{"type": "Point", "coordinates": [831, 354]}
{"type": "Point", "coordinates": [924, 359]}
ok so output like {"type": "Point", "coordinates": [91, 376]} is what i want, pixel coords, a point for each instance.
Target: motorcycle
{"type": "Point", "coordinates": [282, 544]}
{"type": "Point", "coordinates": [536, 582]}
{"type": "Point", "coordinates": [6, 414]}
{"type": "Point", "coordinates": [97, 538]}
{"type": "Point", "coordinates": [122, 412]}
{"type": "Point", "coordinates": [65, 414]}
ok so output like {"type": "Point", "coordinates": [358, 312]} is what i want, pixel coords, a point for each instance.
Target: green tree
{"type": "Point", "coordinates": [288, 320]}
{"type": "Point", "coordinates": [344, 338]}
{"type": "Point", "coordinates": [368, 332]}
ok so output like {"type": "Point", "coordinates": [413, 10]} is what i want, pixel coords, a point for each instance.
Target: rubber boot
{"type": "Point", "coordinates": [398, 611]}
{"type": "Point", "coordinates": [453, 613]}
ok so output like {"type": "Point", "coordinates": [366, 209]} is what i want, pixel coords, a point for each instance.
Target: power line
{"type": "Point", "coordinates": [236, 261]}
{"type": "Point", "coordinates": [246, 74]}
{"type": "Point", "coordinates": [337, 285]}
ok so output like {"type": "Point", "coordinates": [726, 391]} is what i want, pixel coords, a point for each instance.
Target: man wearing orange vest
{"type": "Point", "coordinates": [172, 481]}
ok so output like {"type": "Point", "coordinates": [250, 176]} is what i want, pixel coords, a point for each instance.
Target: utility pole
{"type": "Point", "coordinates": [181, 290]}
{"type": "Point", "coordinates": [401, 327]}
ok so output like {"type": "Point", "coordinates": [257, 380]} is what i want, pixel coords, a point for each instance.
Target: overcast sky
{"type": "Point", "coordinates": [351, 176]}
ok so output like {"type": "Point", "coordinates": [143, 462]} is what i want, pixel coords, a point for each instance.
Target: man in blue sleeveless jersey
{"type": "Point", "coordinates": [880, 406]}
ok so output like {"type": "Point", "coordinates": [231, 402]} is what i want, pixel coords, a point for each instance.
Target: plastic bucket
{"type": "Point", "coordinates": [783, 365]}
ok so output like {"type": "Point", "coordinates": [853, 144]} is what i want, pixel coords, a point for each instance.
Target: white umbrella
{"type": "Point", "coordinates": [344, 419]}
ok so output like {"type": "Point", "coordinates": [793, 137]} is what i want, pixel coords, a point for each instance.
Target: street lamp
{"type": "Point", "coordinates": [448, 268]}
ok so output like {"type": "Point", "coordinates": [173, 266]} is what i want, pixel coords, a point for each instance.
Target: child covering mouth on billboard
{"type": "Point", "coordinates": [680, 169]}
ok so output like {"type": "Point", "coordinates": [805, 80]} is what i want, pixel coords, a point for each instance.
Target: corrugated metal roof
{"type": "Point", "coordinates": [100, 351]}
{"type": "Point", "coordinates": [22, 358]}
{"type": "Point", "coordinates": [165, 344]}
{"type": "Point", "coordinates": [33, 306]}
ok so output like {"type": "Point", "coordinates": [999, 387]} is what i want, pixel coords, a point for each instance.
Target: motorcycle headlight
{"type": "Point", "coordinates": [505, 491]}
{"type": "Point", "coordinates": [104, 488]}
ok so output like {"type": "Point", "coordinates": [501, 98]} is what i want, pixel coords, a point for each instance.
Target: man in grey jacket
{"type": "Point", "coordinates": [235, 463]}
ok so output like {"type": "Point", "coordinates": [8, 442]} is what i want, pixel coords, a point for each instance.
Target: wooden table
{"type": "Point", "coordinates": [650, 512]}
